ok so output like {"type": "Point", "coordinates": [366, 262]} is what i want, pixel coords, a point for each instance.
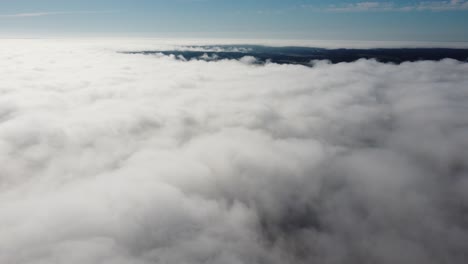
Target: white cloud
{"type": "Point", "coordinates": [248, 60]}
{"type": "Point", "coordinates": [362, 6]}
{"type": "Point", "coordinates": [454, 5]}
{"type": "Point", "coordinates": [119, 158]}
{"type": "Point", "coordinates": [41, 14]}
{"type": "Point", "coordinates": [442, 5]}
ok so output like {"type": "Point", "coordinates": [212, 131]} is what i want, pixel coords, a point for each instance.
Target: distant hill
{"type": "Point", "coordinates": [304, 55]}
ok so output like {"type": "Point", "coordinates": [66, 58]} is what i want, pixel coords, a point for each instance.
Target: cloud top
{"type": "Point", "coordinates": [118, 158]}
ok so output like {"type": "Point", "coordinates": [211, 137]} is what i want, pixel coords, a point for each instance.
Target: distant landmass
{"type": "Point", "coordinates": [304, 55]}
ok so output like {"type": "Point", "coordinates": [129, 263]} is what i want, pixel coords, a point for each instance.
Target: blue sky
{"type": "Point", "coordinates": [308, 19]}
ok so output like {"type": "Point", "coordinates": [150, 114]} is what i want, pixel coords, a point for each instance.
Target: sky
{"type": "Point", "coordinates": [293, 19]}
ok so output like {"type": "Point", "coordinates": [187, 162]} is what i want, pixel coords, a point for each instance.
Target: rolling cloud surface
{"type": "Point", "coordinates": [126, 158]}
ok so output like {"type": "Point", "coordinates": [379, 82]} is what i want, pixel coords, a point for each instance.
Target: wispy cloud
{"type": "Point", "coordinates": [42, 14]}
{"type": "Point", "coordinates": [453, 5]}
{"type": "Point", "coordinates": [362, 6]}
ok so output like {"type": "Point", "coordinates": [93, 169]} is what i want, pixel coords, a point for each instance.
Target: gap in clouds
{"type": "Point", "coordinates": [306, 55]}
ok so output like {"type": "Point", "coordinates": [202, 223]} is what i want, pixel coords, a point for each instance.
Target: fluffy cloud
{"type": "Point", "coordinates": [118, 158]}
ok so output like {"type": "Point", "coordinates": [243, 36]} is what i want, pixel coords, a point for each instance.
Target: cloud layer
{"type": "Point", "coordinates": [119, 158]}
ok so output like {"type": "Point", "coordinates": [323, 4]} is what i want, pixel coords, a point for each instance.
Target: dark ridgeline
{"type": "Point", "coordinates": [304, 55]}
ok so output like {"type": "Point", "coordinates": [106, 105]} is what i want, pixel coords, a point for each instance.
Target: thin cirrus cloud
{"type": "Point", "coordinates": [453, 5]}
{"type": "Point", "coordinates": [42, 14]}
